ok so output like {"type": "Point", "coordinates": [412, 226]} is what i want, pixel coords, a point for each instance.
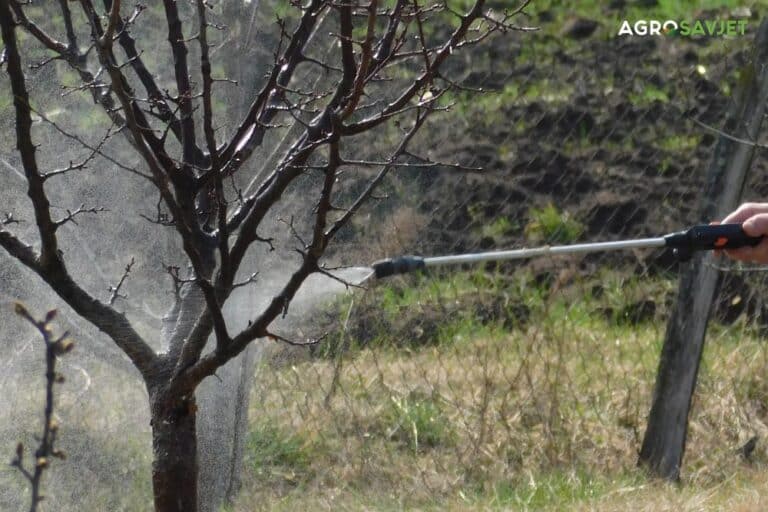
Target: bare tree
{"type": "Point", "coordinates": [381, 71]}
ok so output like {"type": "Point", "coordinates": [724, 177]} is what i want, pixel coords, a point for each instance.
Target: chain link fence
{"type": "Point", "coordinates": [481, 379]}
{"type": "Point", "coordinates": [500, 384]}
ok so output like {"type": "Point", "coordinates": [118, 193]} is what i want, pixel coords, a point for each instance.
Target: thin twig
{"type": "Point", "coordinates": [115, 290]}
{"type": "Point", "coordinates": [46, 449]}
{"type": "Point", "coordinates": [70, 217]}
{"type": "Point", "coordinates": [9, 219]}
{"type": "Point", "coordinates": [306, 343]}
{"type": "Point", "coordinates": [729, 136]}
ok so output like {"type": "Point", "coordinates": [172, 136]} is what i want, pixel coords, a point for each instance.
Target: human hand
{"type": "Point", "coordinates": [753, 218]}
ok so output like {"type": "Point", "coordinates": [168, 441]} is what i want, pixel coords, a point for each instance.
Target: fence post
{"type": "Point", "coordinates": [664, 441]}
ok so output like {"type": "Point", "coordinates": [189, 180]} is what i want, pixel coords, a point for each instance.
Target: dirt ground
{"type": "Point", "coordinates": [600, 128]}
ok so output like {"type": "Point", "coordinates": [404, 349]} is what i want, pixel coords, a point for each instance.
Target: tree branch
{"type": "Point", "coordinates": [115, 290]}
{"type": "Point", "coordinates": [35, 189]}
{"type": "Point", "coordinates": [368, 192]}
{"type": "Point", "coordinates": [425, 78]}
{"type": "Point", "coordinates": [181, 71]}
{"type": "Point", "coordinates": [193, 369]}
{"type": "Point", "coordinates": [156, 97]}
{"type": "Point", "coordinates": [210, 138]}
{"type": "Point", "coordinates": [251, 131]}
{"type": "Point", "coordinates": [70, 29]}
{"type": "Point", "coordinates": [46, 449]}
{"type": "Point", "coordinates": [71, 214]}
{"type": "Point", "coordinates": [114, 18]}
{"type": "Point", "coordinates": [49, 265]}
{"type": "Point", "coordinates": [106, 319]}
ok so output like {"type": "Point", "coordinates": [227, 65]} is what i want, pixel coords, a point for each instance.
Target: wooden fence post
{"type": "Point", "coordinates": [664, 441]}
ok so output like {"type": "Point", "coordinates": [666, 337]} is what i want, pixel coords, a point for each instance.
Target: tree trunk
{"type": "Point", "coordinates": [174, 446]}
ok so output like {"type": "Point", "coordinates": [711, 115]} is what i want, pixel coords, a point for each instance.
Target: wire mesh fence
{"type": "Point", "coordinates": [481, 377]}
{"type": "Point", "coordinates": [513, 380]}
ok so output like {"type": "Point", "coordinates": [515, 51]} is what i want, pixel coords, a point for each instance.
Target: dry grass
{"type": "Point", "coordinates": [549, 416]}
{"type": "Point", "coordinates": [546, 414]}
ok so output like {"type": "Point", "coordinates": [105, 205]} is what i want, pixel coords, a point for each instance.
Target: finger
{"type": "Point", "coordinates": [718, 253]}
{"type": "Point", "coordinates": [756, 225]}
{"type": "Point", "coordinates": [756, 254]}
{"type": "Point", "coordinates": [744, 212]}
{"type": "Point", "coordinates": [741, 254]}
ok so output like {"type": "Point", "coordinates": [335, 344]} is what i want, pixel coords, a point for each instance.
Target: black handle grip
{"type": "Point", "coordinates": [400, 265]}
{"type": "Point", "coordinates": [708, 237]}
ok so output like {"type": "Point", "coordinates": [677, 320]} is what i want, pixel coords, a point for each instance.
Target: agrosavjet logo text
{"type": "Point", "coordinates": [685, 28]}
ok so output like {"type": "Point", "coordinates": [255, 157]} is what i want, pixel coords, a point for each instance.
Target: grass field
{"type": "Point", "coordinates": [534, 402]}
{"type": "Point", "coordinates": [543, 412]}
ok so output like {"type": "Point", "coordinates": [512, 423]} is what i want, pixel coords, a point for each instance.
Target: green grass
{"type": "Point", "coordinates": [497, 107]}
{"type": "Point", "coordinates": [548, 224]}
{"type": "Point", "coordinates": [275, 453]}
{"type": "Point", "coordinates": [416, 421]}
{"type": "Point", "coordinates": [648, 95]}
{"type": "Point", "coordinates": [541, 415]}
{"type": "Point", "coordinates": [556, 490]}
{"type": "Point", "coordinates": [607, 301]}
{"type": "Point", "coordinates": [679, 143]}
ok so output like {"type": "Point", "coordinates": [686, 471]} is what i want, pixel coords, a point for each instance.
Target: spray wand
{"type": "Point", "coordinates": [684, 243]}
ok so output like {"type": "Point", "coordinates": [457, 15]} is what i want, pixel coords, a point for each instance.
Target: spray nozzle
{"type": "Point", "coordinates": [399, 265]}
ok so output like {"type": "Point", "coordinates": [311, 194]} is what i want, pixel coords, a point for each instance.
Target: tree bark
{"type": "Point", "coordinates": [174, 446]}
